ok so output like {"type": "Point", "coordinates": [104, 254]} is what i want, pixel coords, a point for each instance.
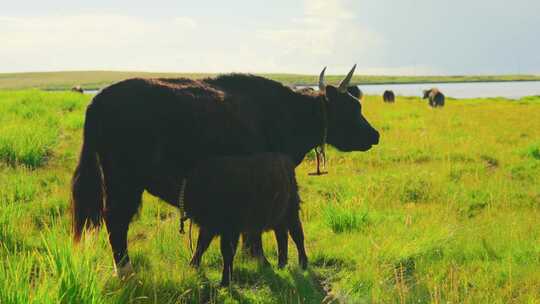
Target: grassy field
{"type": "Point", "coordinates": [445, 209]}
{"type": "Point", "coordinates": [99, 79]}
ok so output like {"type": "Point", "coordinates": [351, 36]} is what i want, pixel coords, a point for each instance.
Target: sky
{"type": "Point", "coordinates": [386, 37]}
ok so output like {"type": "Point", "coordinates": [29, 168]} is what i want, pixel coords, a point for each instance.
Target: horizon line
{"type": "Point", "coordinates": [266, 73]}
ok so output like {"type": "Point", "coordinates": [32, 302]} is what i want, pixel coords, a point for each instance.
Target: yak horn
{"type": "Point", "coordinates": [345, 82]}
{"type": "Point", "coordinates": [322, 85]}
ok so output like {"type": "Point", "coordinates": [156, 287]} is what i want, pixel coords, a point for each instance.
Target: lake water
{"type": "Point", "coordinates": [512, 90]}
{"type": "Point", "coordinates": [91, 92]}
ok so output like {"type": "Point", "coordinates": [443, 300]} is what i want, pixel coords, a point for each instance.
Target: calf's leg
{"type": "Point", "coordinates": [297, 234]}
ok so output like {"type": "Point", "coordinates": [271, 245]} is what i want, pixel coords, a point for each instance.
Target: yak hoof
{"type": "Point", "coordinates": [195, 263]}
{"type": "Point", "coordinates": [225, 283]}
{"type": "Point", "coordinates": [263, 261]}
{"type": "Point", "coordinates": [303, 263]}
{"type": "Point", "coordinates": [125, 272]}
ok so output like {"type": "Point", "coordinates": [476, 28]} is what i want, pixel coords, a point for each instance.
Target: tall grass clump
{"type": "Point", "coordinates": [73, 121]}
{"type": "Point", "coordinates": [26, 144]}
{"type": "Point", "coordinates": [76, 281]}
{"type": "Point", "coordinates": [15, 276]}
{"type": "Point", "coordinates": [10, 240]}
{"type": "Point", "coordinates": [416, 190]}
{"type": "Point", "coordinates": [341, 219]}
{"type": "Point", "coordinates": [52, 275]}
{"type": "Point", "coordinates": [534, 151]}
{"type": "Point", "coordinates": [30, 124]}
{"type": "Point", "coordinates": [17, 186]}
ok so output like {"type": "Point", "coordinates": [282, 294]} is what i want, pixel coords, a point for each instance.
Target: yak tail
{"type": "Point", "coordinates": [87, 187]}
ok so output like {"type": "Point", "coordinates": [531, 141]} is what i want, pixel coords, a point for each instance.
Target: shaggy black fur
{"type": "Point", "coordinates": [146, 134]}
{"type": "Point", "coordinates": [388, 96]}
{"type": "Point", "coordinates": [229, 195]}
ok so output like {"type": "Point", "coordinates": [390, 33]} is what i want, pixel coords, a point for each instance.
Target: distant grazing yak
{"type": "Point", "coordinates": [229, 195]}
{"type": "Point", "coordinates": [435, 97]}
{"type": "Point", "coordinates": [78, 89]}
{"type": "Point", "coordinates": [146, 134]}
{"type": "Point", "coordinates": [388, 96]}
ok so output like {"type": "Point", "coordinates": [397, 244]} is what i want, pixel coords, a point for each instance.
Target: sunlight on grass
{"type": "Point", "coordinates": [26, 144]}
{"type": "Point", "coordinates": [444, 209]}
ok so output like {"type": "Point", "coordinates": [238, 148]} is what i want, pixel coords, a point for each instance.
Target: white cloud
{"type": "Point", "coordinates": [328, 32]}
{"type": "Point", "coordinates": [89, 41]}
{"type": "Point", "coordinates": [325, 34]}
{"type": "Point", "coordinates": [185, 22]}
{"type": "Point", "coordinates": [382, 36]}
{"type": "Point", "coordinates": [331, 10]}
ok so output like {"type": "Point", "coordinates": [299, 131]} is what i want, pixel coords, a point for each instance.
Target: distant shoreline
{"type": "Point", "coordinates": [92, 80]}
{"type": "Point", "coordinates": [426, 82]}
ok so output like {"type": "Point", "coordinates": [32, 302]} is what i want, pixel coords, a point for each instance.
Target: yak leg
{"type": "Point", "coordinates": [297, 234]}
{"type": "Point", "coordinates": [204, 240]}
{"type": "Point", "coordinates": [229, 242]}
{"type": "Point", "coordinates": [122, 204]}
{"type": "Point", "coordinates": [282, 242]}
{"type": "Point", "coordinates": [253, 246]}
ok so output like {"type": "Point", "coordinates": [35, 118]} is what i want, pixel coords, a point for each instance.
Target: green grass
{"type": "Point", "coordinates": [445, 209]}
{"type": "Point", "coordinates": [345, 219]}
{"type": "Point", "coordinates": [30, 124]}
{"type": "Point", "coordinates": [99, 79]}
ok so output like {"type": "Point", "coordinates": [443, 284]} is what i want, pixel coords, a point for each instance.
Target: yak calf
{"type": "Point", "coordinates": [227, 196]}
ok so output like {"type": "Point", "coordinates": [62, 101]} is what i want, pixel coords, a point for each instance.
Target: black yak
{"type": "Point", "coordinates": [435, 97]}
{"type": "Point", "coordinates": [229, 195]}
{"type": "Point", "coordinates": [146, 134]}
{"type": "Point", "coordinates": [388, 96]}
